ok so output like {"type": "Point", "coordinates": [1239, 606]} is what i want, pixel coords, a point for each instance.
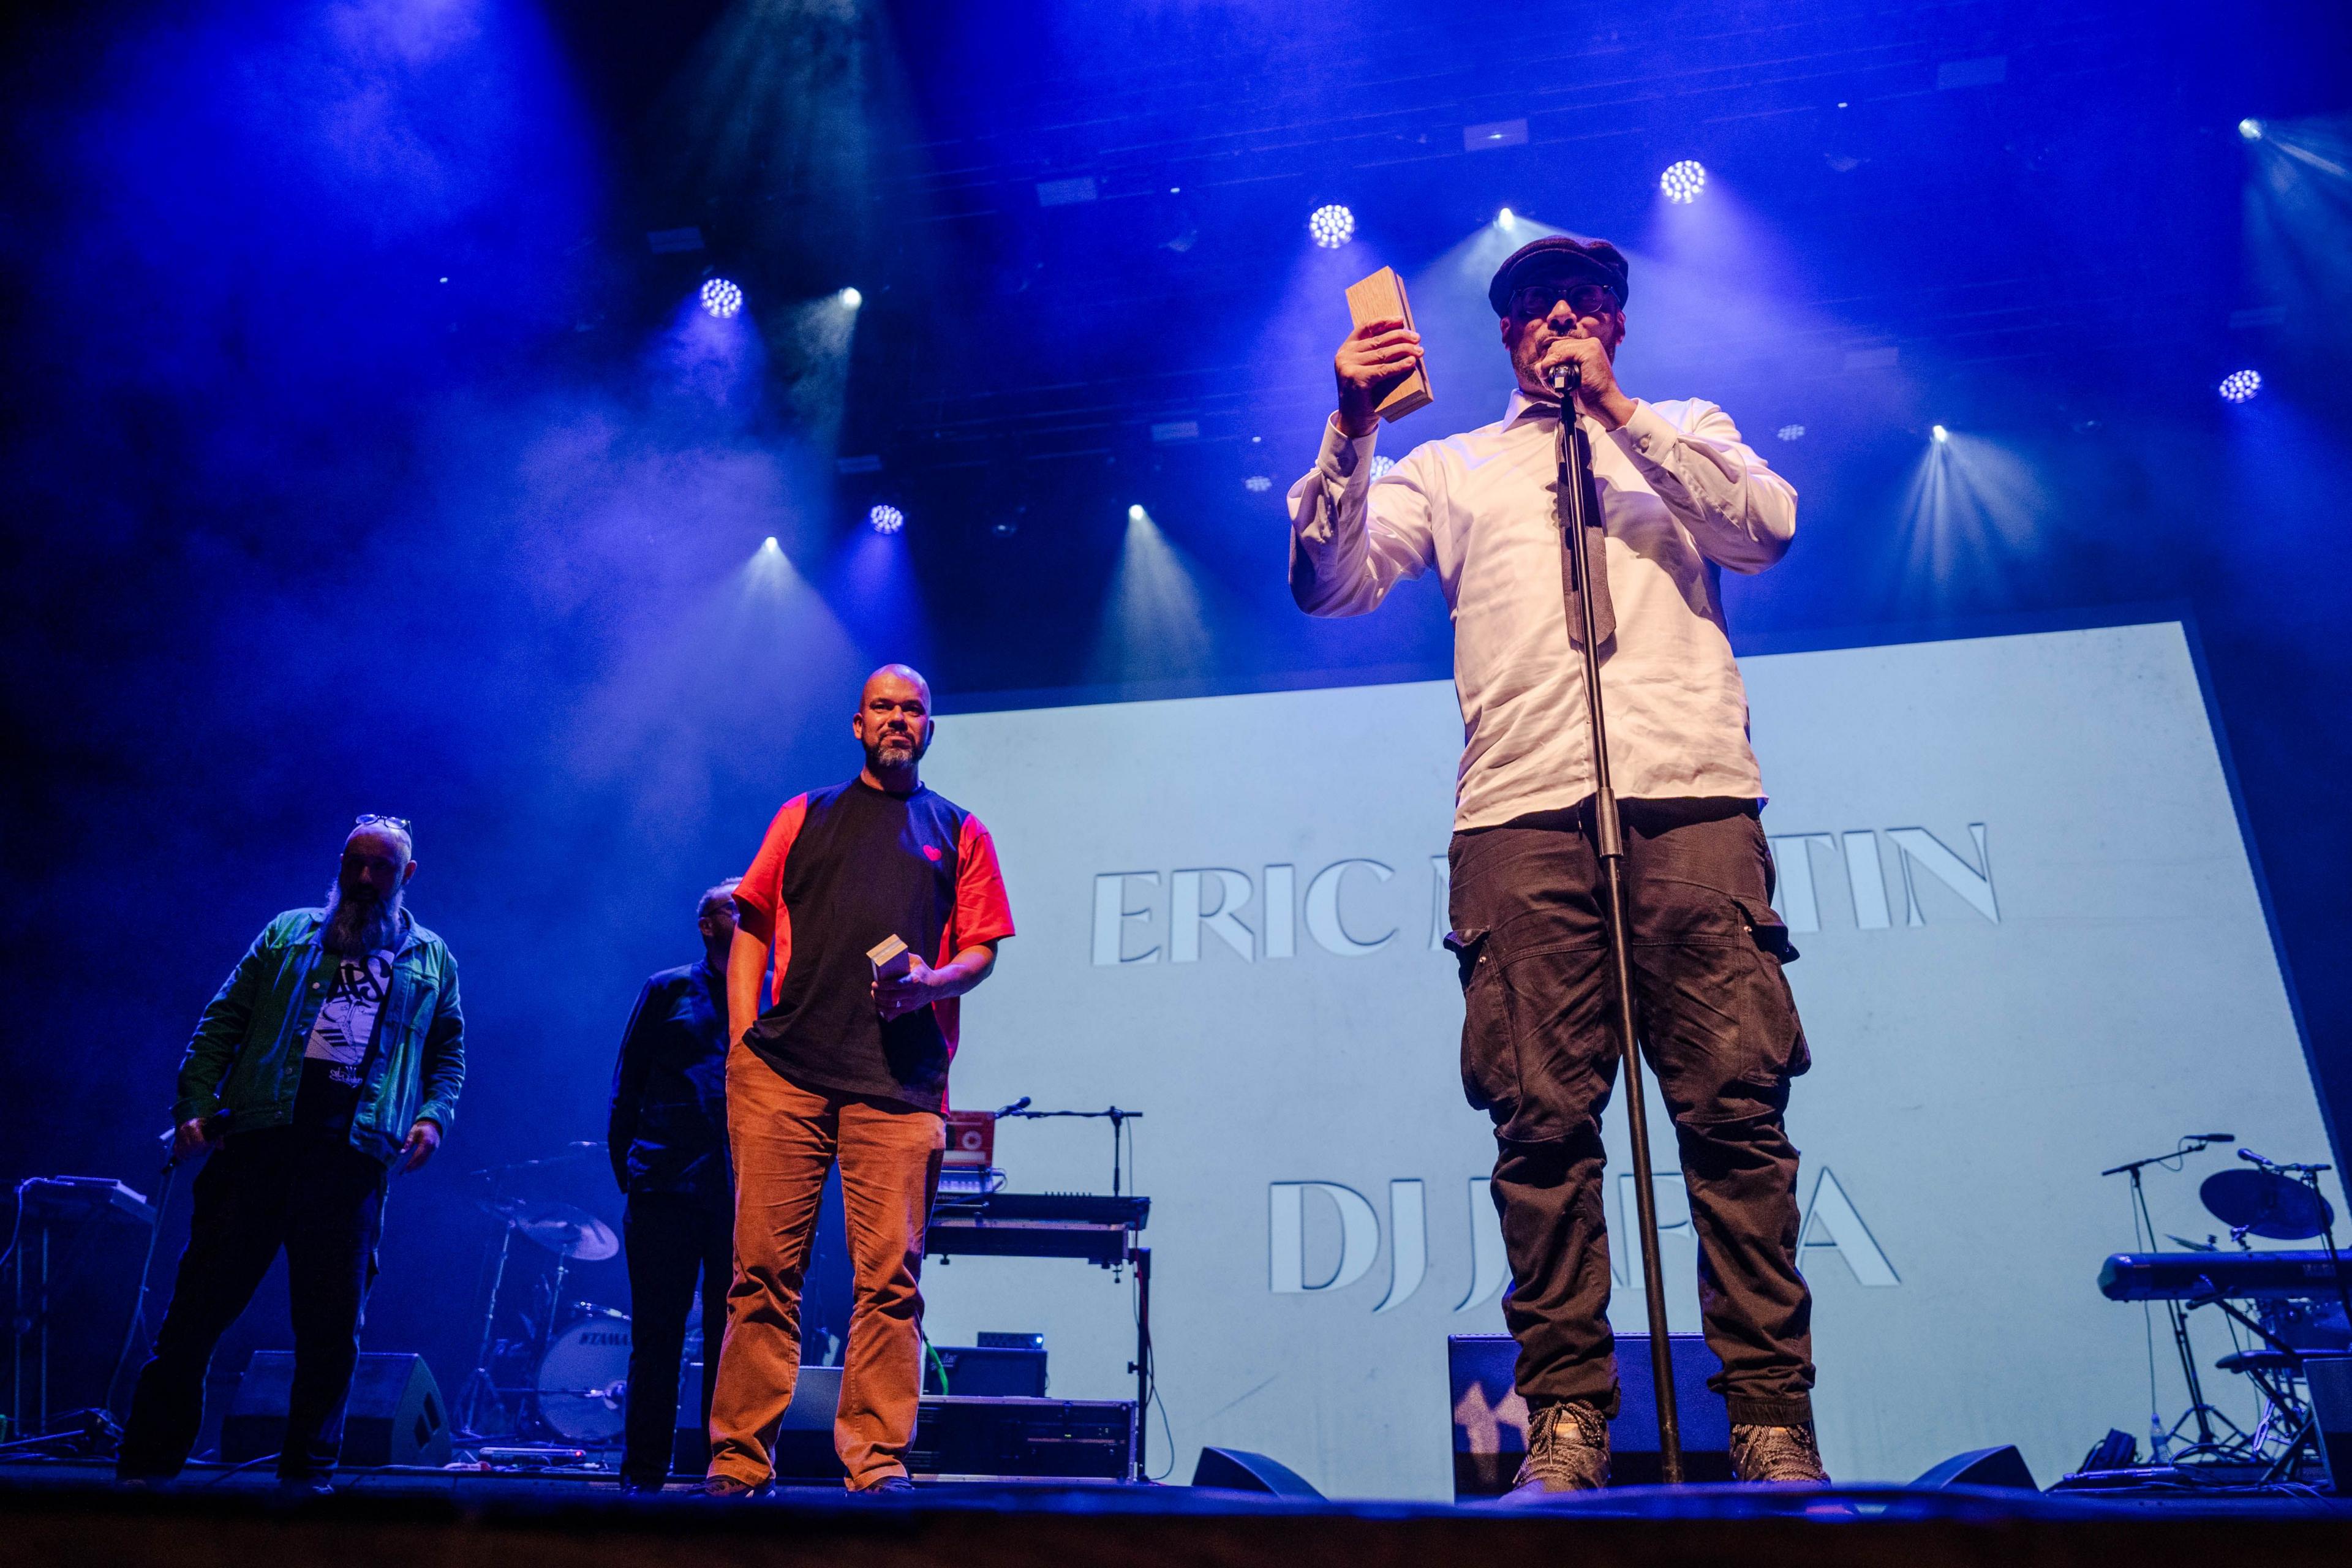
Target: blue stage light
{"type": "Point", "coordinates": [1382, 466]}
{"type": "Point", "coordinates": [770, 545]}
{"type": "Point", "coordinates": [1507, 218]}
{"type": "Point", "coordinates": [1257, 484]}
{"type": "Point", "coordinates": [1134, 513]}
{"type": "Point", "coordinates": [851, 297]}
{"type": "Point", "coordinates": [886, 519]}
{"type": "Point", "coordinates": [1940, 432]}
{"type": "Point", "coordinates": [2240, 386]}
{"type": "Point", "coordinates": [1790, 432]}
{"type": "Point", "coordinates": [1332, 227]}
{"type": "Point", "coordinates": [1683, 180]}
{"type": "Point", "coordinates": [721, 297]}
{"type": "Point", "coordinates": [2251, 129]}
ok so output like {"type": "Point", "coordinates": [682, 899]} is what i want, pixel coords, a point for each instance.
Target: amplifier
{"type": "Point", "coordinates": [960, 1438]}
{"type": "Point", "coordinates": [1490, 1419]}
{"type": "Point", "coordinates": [993, 1370]}
{"type": "Point", "coordinates": [2330, 1379]}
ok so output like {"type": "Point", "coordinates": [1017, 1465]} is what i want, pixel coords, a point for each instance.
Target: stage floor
{"type": "Point", "coordinates": [68, 1512]}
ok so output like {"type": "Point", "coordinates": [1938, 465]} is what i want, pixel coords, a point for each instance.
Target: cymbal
{"type": "Point", "coordinates": [2263, 1203]}
{"type": "Point", "coordinates": [562, 1230]}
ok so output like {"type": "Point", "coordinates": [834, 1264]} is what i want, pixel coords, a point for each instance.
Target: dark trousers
{"type": "Point", "coordinates": [670, 1240]}
{"type": "Point", "coordinates": [1718, 1026]}
{"type": "Point", "coordinates": [322, 1202]}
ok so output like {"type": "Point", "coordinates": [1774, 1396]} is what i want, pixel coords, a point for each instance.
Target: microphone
{"type": "Point", "coordinates": [2214, 1137]}
{"type": "Point", "coordinates": [1564, 378]}
{"type": "Point", "coordinates": [1019, 1104]}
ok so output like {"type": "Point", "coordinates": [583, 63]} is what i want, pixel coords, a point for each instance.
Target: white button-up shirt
{"type": "Point", "coordinates": [1681, 495]}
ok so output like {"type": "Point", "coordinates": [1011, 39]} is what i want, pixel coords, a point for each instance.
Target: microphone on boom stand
{"type": "Point", "coordinates": [1582, 536]}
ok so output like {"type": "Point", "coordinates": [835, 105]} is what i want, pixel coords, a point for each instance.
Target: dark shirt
{"type": "Point", "coordinates": [667, 1130]}
{"type": "Point", "coordinates": [840, 870]}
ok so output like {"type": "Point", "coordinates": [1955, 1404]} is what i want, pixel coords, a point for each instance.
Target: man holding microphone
{"type": "Point", "coordinates": [1681, 497]}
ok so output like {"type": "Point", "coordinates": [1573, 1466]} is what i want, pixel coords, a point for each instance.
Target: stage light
{"type": "Point", "coordinates": [1683, 180]}
{"type": "Point", "coordinates": [2240, 385]}
{"type": "Point", "coordinates": [1790, 432]}
{"type": "Point", "coordinates": [1507, 218]}
{"type": "Point", "coordinates": [721, 297]}
{"type": "Point", "coordinates": [1940, 432]}
{"type": "Point", "coordinates": [851, 297]}
{"type": "Point", "coordinates": [1257, 484]}
{"type": "Point", "coordinates": [1332, 227]}
{"type": "Point", "coordinates": [2251, 129]}
{"type": "Point", "coordinates": [770, 547]}
{"type": "Point", "coordinates": [1135, 514]}
{"type": "Point", "coordinates": [886, 519]}
{"type": "Point", "coordinates": [1382, 466]}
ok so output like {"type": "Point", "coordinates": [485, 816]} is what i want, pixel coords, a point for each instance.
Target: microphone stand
{"type": "Point", "coordinates": [1575, 458]}
{"type": "Point", "coordinates": [2174, 1311]}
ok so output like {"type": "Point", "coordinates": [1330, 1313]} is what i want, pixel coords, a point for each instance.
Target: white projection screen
{"type": "Point", "coordinates": [2033, 946]}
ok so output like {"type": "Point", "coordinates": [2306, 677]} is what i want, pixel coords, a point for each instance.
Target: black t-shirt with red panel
{"type": "Point", "coordinates": [840, 870]}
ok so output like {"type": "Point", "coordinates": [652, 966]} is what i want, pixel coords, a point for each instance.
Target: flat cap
{"type": "Point", "coordinates": [1558, 256]}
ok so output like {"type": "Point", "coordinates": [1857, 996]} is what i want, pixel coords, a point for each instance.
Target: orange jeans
{"type": "Point", "coordinates": [785, 1138]}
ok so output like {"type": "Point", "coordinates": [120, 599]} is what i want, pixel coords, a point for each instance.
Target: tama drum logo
{"type": "Point", "coordinates": [1862, 879]}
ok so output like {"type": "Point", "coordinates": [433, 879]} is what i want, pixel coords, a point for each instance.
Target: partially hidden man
{"type": "Point", "coordinates": [846, 1065]}
{"type": "Point", "coordinates": [667, 1134]}
{"type": "Point", "coordinates": [1682, 497]}
{"type": "Point", "coordinates": [332, 1055]}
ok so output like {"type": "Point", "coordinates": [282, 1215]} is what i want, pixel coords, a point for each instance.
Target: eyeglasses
{"type": "Point", "coordinates": [1534, 299]}
{"type": "Point", "coordinates": [377, 819]}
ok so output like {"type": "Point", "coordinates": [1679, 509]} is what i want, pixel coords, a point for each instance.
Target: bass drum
{"type": "Point", "coordinates": [583, 1380]}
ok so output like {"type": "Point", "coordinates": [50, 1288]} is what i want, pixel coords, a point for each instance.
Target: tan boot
{"type": "Point", "coordinates": [1777, 1454]}
{"type": "Point", "coordinates": [1568, 1449]}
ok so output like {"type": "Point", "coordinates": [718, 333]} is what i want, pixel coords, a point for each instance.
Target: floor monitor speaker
{"type": "Point", "coordinates": [394, 1415]}
{"type": "Point", "coordinates": [1239, 1470]}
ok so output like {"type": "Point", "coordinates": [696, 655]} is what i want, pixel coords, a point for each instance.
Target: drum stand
{"type": "Point", "coordinates": [480, 1381]}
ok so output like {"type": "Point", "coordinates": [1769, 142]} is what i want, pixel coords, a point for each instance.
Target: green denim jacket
{"type": "Point", "coordinates": [247, 1056]}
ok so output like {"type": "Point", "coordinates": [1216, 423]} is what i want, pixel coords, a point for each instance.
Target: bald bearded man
{"type": "Point", "coordinates": [846, 1064]}
{"type": "Point", "coordinates": [332, 1058]}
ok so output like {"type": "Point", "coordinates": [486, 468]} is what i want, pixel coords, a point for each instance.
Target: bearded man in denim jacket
{"type": "Point", "coordinates": [331, 1056]}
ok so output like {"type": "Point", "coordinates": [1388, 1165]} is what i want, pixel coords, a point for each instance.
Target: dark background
{"type": "Point", "coordinates": [362, 455]}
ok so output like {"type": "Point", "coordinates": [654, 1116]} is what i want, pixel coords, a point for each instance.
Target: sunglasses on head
{"type": "Point", "coordinates": [377, 819]}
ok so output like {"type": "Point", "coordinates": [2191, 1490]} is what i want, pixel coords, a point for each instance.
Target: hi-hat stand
{"type": "Point", "coordinates": [1575, 458]}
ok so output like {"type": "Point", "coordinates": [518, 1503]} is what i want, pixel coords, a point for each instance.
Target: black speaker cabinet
{"type": "Point", "coordinates": [1239, 1470]}
{"type": "Point", "coordinates": [394, 1415]}
{"type": "Point", "coordinates": [986, 1372]}
{"type": "Point", "coordinates": [2330, 1378]}
{"type": "Point", "coordinates": [1065, 1440]}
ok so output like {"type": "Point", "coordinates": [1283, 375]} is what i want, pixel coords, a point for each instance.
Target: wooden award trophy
{"type": "Point", "coordinates": [1381, 298]}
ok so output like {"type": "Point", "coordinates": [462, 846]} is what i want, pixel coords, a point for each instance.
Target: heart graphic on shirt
{"type": "Point", "coordinates": [931, 851]}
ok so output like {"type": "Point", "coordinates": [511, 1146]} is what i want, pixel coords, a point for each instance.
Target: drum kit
{"type": "Point", "coordinates": [567, 1378]}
